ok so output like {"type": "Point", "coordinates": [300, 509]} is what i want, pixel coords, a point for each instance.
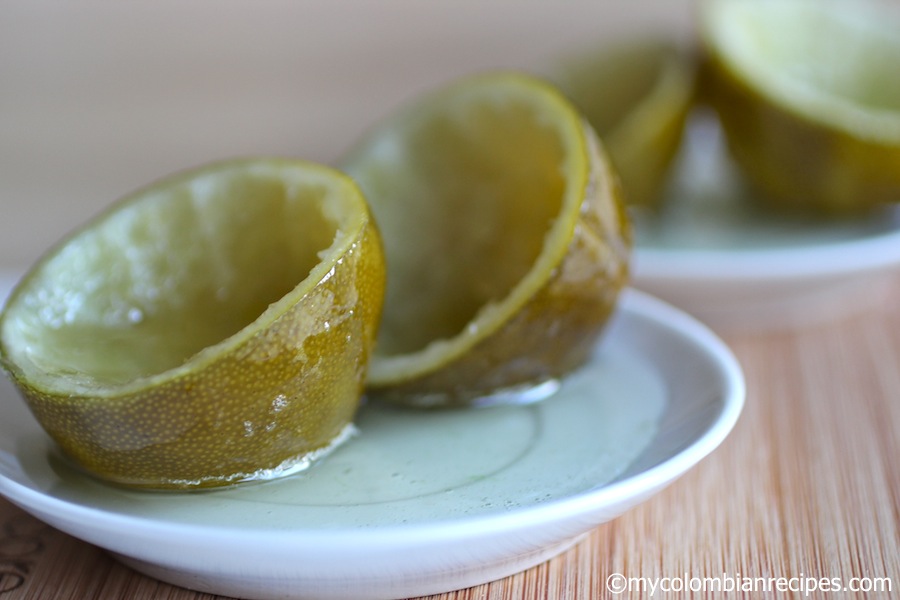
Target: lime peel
{"type": "Point", "coordinates": [502, 173]}
{"type": "Point", "coordinates": [816, 92]}
{"type": "Point", "coordinates": [811, 117]}
{"type": "Point", "coordinates": [637, 95]}
{"type": "Point", "coordinates": [265, 294]}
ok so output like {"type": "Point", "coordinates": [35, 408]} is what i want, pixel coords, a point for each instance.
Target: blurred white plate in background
{"type": "Point", "coordinates": [714, 254]}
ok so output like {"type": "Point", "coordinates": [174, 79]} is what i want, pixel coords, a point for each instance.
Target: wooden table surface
{"type": "Point", "coordinates": [806, 486]}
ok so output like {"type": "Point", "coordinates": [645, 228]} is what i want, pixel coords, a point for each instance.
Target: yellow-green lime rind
{"type": "Point", "coordinates": [506, 240]}
{"type": "Point", "coordinates": [212, 328]}
{"type": "Point", "coordinates": [637, 95]}
{"type": "Point", "coordinates": [809, 98]}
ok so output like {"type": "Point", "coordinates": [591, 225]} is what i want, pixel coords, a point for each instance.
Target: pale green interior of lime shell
{"type": "Point", "coordinates": [609, 84]}
{"type": "Point", "coordinates": [465, 192]}
{"type": "Point", "coordinates": [835, 58]}
{"type": "Point", "coordinates": [168, 273]}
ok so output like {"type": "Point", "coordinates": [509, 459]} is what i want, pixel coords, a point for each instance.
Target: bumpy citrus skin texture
{"type": "Point", "coordinates": [806, 155]}
{"type": "Point", "coordinates": [637, 96]}
{"type": "Point", "coordinates": [506, 241]}
{"type": "Point", "coordinates": [261, 403]}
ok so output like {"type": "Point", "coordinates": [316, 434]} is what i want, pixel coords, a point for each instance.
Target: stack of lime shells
{"type": "Point", "coordinates": [806, 92]}
{"type": "Point", "coordinates": [222, 325]}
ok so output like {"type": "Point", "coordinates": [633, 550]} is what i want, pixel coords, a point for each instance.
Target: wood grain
{"type": "Point", "coordinates": [807, 485]}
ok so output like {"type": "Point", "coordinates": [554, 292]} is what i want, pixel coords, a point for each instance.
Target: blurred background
{"type": "Point", "coordinates": [100, 98]}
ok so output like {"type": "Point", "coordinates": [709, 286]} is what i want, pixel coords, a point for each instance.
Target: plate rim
{"type": "Point", "coordinates": [840, 258]}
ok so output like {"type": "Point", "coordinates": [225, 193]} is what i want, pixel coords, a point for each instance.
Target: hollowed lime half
{"type": "Point", "coordinates": [212, 328]}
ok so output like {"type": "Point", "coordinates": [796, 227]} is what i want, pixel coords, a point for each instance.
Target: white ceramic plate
{"type": "Point", "coordinates": [418, 502]}
{"type": "Point", "coordinates": [712, 253]}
